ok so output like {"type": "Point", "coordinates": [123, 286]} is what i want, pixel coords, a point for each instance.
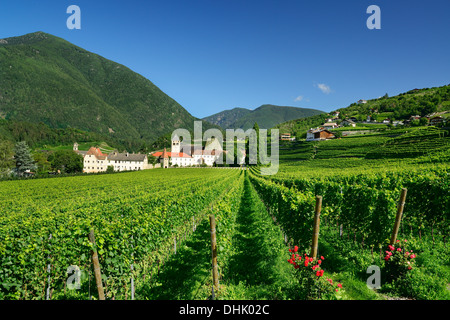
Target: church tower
{"type": "Point", "coordinates": [165, 159]}
{"type": "Point", "coordinates": [75, 146]}
{"type": "Point", "coordinates": [176, 147]}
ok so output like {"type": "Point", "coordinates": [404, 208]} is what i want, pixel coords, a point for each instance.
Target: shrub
{"type": "Point", "coordinates": [313, 284]}
{"type": "Point", "coordinates": [398, 261]}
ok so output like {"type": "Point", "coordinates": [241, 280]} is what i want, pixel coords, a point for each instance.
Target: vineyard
{"type": "Point", "coordinates": [153, 235]}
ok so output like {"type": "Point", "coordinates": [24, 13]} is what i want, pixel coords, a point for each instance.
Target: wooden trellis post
{"type": "Point", "coordinates": [398, 217]}
{"type": "Point", "coordinates": [97, 273]}
{"type": "Point", "coordinates": [315, 238]}
{"type": "Point", "coordinates": [215, 269]}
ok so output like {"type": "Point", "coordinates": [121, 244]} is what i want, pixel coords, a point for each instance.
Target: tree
{"type": "Point", "coordinates": [337, 134]}
{"type": "Point", "coordinates": [110, 169]}
{"type": "Point", "coordinates": [423, 121]}
{"type": "Point", "coordinates": [415, 123]}
{"type": "Point", "coordinates": [67, 161]}
{"type": "Point", "coordinates": [42, 163]}
{"type": "Point", "coordinates": [24, 159]}
{"type": "Point", "coordinates": [6, 157]}
{"type": "Point", "coordinates": [256, 128]}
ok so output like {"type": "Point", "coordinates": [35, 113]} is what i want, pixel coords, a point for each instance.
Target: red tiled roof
{"type": "Point", "coordinates": [171, 154]}
{"type": "Point", "coordinates": [97, 153]}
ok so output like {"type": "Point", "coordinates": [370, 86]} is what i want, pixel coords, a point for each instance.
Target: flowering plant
{"type": "Point", "coordinates": [310, 273]}
{"type": "Point", "coordinates": [398, 260]}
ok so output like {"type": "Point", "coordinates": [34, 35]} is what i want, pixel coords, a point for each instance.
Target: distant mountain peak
{"type": "Point", "coordinates": [267, 116]}
{"type": "Point", "coordinates": [26, 38]}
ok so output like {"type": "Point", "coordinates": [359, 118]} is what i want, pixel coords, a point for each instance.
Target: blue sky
{"type": "Point", "coordinates": [219, 54]}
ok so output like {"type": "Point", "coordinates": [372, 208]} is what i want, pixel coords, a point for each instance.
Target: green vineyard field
{"type": "Point", "coordinates": [152, 232]}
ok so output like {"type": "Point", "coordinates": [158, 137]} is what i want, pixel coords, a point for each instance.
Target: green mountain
{"type": "Point", "coordinates": [267, 116]}
{"type": "Point", "coordinates": [227, 118]}
{"type": "Point", "coordinates": [45, 79]}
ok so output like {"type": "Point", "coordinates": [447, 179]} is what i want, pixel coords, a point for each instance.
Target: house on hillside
{"type": "Point", "coordinates": [362, 101]}
{"type": "Point", "coordinates": [330, 125]}
{"type": "Point", "coordinates": [436, 120]}
{"type": "Point", "coordinates": [319, 134]}
{"type": "Point", "coordinates": [348, 123]}
{"type": "Point", "coordinates": [412, 118]}
{"type": "Point", "coordinates": [386, 121]}
{"type": "Point", "coordinates": [286, 137]}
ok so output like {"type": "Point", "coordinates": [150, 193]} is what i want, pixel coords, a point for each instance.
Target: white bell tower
{"type": "Point", "coordinates": [176, 147]}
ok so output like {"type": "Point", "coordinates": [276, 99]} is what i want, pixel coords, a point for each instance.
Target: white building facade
{"type": "Point", "coordinates": [94, 160]}
{"type": "Point", "coordinates": [185, 156]}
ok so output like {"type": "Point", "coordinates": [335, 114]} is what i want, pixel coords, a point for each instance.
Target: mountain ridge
{"type": "Point", "coordinates": [266, 115]}
{"type": "Point", "coordinates": [47, 79]}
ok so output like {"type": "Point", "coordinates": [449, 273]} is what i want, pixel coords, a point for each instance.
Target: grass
{"type": "Point", "coordinates": [259, 264]}
{"type": "Point", "coordinates": [348, 261]}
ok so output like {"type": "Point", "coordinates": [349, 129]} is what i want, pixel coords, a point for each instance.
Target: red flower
{"type": "Point", "coordinates": [412, 256]}
{"type": "Point", "coordinates": [322, 258]}
{"type": "Point", "coordinates": [399, 249]}
{"type": "Point", "coordinates": [295, 249]}
{"type": "Point", "coordinates": [339, 285]}
{"type": "Point", "coordinates": [319, 261]}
